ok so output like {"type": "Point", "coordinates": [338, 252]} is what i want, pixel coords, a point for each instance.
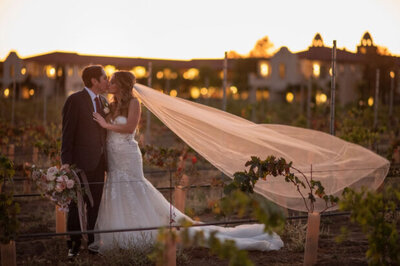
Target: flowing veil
{"type": "Point", "coordinates": [228, 141]}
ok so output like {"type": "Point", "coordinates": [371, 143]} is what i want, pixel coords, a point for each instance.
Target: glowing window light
{"type": "Point", "coordinates": [370, 101]}
{"type": "Point", "coordinates": [174, 75]}
{"type": "Point", "coordinates": [195, 92]}
{"type": "Point", "coordinates": [23, 70]}
{"type": "Point", "coordinates": [6, 93]}
{"type": "Point", "coordinates": [50, 71]}
{"type": "Point", "coordinates": [191, 74]}
{"type": "Point", "coordinates": [221, 74]}
{"type": "Point", "coordinates": [25, 93]}
{"type": "Point", "coordinates": [70, 71]}
{"type": "Point", "coordinates": [167, 73]}
{"type": "Point", "coordinates": [31, 92]}
{"type": "Point", "coordinates": [282, 70]}
{"type": "Point", "coordinates": [110, 69]}
{"type": "Point", "coordinates": [139, 72]}
{"type": "Point", "coordinates": [289, 97]}
{"type": "Point", "coordinates": [264, 69]}
{"type": "Point", "coordinates": [59, 72]}
{"type": "Point", "coordinates": [330, 71]}
{"type": "Point", "coordinates": [244, 95]}
{"type": "Point", "coordinates": [173, 93]}
{"type": "Point", "coordinates": [204, 91]}
{"type": "Point", "coordinates": [316, 69]}
{"type": "Point", "coordinates": [160, 75]}
{"type": "Point", "coordinates": [323, 97]}
{"type": "Point", "coordinates": [392, 74]}
{"type": "Point", "coordinates": [233, 89]}
{"type": "Point", "coordinates": [265, 94]}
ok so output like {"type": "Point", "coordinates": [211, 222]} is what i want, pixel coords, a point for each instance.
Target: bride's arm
{"type": "Point", "coordinates": [132, 120]}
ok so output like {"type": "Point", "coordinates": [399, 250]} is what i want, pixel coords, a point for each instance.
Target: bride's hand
{"type": "Point", "coordinates": [99, 119]}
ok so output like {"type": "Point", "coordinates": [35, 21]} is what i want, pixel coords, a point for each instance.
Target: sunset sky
{"type": "Point", "coordinates": [183, 29]}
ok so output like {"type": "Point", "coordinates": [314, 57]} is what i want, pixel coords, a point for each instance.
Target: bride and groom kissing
{"type": "Point", "coordinates": [98, 138]}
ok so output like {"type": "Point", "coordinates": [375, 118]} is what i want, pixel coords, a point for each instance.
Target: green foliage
{"type": "Point", "coordinates": [8, 208]}
{"type": "Point", "coordinates": [260, 169]}
{"type": "Point", "coordinates": [49, 143]}
{"type": "Point", "coordinates": [378, 218]}
{"type": "Point", "coordinates": [356, 127]}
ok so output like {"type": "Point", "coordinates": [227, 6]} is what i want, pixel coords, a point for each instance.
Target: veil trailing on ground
{"type": "Point", "coordinates": [228, 141]}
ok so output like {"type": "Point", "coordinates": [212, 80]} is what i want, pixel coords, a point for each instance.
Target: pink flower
{"type": "Point", "coordinates": [70, 183]}
{"type": "Point", "coordinates": [60, 187]}
{"type": "Point", "coordinates": [51, 173]}
{"type": "Point", "coordinates": [60, 179]}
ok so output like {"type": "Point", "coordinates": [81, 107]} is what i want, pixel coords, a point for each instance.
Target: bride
{"type": "Point", "coordinates": [129, 200]}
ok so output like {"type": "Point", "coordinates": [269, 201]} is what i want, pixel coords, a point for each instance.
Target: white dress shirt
{"type": "Point", "coordinates": [93, 96]}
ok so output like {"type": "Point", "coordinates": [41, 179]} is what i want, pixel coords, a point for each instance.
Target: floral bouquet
{"type": "Point", "coordinates": [60, 185]}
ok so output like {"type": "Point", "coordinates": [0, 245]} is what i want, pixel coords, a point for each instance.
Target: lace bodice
{"type": "Point", "coordinates": [120, 138]}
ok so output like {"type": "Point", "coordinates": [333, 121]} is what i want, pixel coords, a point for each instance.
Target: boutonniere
{"type": "Point", "coordinates": [106, 108]}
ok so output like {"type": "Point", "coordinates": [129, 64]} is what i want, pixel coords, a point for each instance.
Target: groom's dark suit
{"type": "Point", "coordinates": [83, 145]}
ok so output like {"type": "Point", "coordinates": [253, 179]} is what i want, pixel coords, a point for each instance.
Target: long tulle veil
{"type": "Point", "coordinates": [227, 141]}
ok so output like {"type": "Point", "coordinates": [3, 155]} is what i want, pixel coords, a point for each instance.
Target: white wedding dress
{"type": "Point", "coordinates": [131, 201]}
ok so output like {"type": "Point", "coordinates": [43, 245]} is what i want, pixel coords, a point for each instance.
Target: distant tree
{"type": "Point", "coordinates": [382, 50]}
{"type": "Point", "coordinates": [262, 48]}
{"type": "Point", "coordinates": [234, 54]}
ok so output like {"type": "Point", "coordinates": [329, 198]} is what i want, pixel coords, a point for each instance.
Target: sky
{"type": "Point", "coordinates": [186, 29]}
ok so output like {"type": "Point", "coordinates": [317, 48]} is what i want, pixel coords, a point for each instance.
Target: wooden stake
{"type": "Point", "coordinates": [333, 89]}
{"type": "Point", "coordinates": [61, 225]}
{"type": "Point", "coordinates": [8, 254]}
{"type": "Point", "coordinates": [311, 246]}
{"type": "Point", "coordinates": [180, 193]}
{"type": "Point", "coordinates": [169, 258]}
{"type": "Point", "coordinates": [225, 81]}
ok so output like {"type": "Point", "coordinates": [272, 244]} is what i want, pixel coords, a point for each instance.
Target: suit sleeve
{"type": "Point", "coordinates": [70, 115]}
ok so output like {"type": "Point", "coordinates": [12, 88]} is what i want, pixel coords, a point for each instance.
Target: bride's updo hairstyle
{"type": "Point", "coordinates": [124, 81]}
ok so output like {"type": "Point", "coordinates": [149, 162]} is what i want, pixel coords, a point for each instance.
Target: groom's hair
{"type": "Point", "coordinates": [90, 72]}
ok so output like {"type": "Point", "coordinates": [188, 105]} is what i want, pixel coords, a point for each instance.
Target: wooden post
{"type": "Point", "coordinates": [225, 81]}
{"type": "Point", "coordinates": [180, 193]}
{"type": "Point", "coordinates": [8, 254]}
{"type": "Point", "coordinates": [169, 257]}
{"type": "Point", "coordinates": [11, 152]}
{"type": "Point", "coordinates": [333, 89]}
{"type": "Point", "coordinates": [376, 100]}
{"type": "Point", "coordinates": [391, 95]}
{"type": "Point", "coordinates": [311, 246]}
{"type": "Point", "coordinates": [61, 225]}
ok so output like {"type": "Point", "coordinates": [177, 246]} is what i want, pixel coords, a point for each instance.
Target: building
{"type": "Point", "coordinates": [285, 74]}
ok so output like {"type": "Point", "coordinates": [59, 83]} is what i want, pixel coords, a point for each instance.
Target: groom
{"type": "Point", "coordinates": [83, 145]}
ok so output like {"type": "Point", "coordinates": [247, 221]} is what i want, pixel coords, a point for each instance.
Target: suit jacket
{"type": "Point", "coordinates": [83, 140]}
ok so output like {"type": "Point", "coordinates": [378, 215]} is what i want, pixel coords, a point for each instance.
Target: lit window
{"type": "Point", "coordinates": [110, 69]}
{"type": "Point", "coordinates": [23, 71]}
{"type": "Point", "coordinates": [194, 92]}
{"type": "Point", "coordinates": [282, 70]}
{"type": "Point", "coordinates": [289, 97]}
{"type": "Point", "coordinates": [50, 71]}
{"type": "Point", "coordinates": [316, 70]}
{"type": "Point", "coordinates": [173, 93]}
{"type": "Point", "coordinates": [264, 69]}
{"type": "Point", "coordinates": [6, 93]}
{"type": "Point", "coordinates": [139, 72]}
{"type": "Point", "coordinates": [233, 89]}
{"type": "Point", "coordinates": [160, 75]}
{"type": "Point", "coordinates": [370, 101]}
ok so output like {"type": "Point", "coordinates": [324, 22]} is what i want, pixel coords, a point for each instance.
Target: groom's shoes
{"type": "Point", "coordinates": [72, 253]}
{"type": "Point", "coordinates": [73, 248]}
